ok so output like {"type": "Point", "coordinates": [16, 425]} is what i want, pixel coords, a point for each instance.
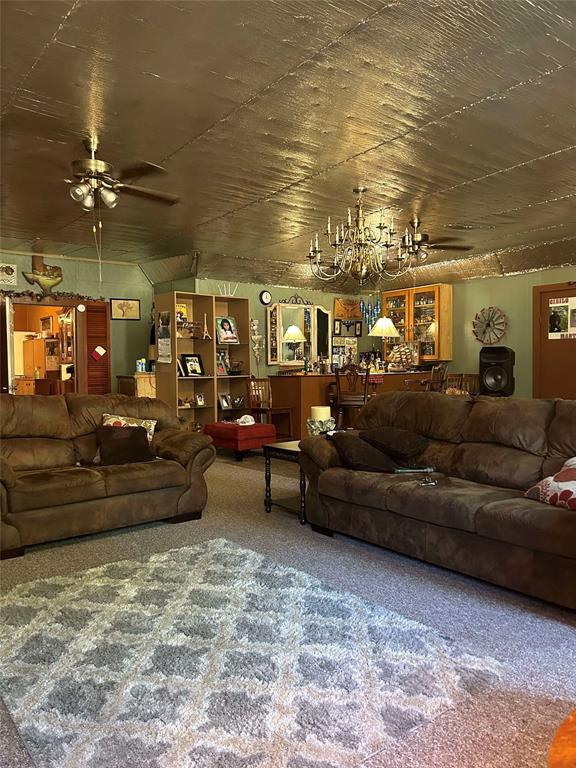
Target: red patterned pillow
{"type": "Point", "coordinates": [559, 490]}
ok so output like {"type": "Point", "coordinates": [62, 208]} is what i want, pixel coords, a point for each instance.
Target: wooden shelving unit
{"type": "Point", "coordinates": [175, 389]}
{"type": "Point", "coordinates": [422, 315]}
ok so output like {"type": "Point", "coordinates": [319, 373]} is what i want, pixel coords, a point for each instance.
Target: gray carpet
{"type": "Point", "coordinates": [510, 727]}
{"type": "Point", "coordinates": [215, 655]}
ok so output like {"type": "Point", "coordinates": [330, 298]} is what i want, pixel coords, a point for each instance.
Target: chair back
{"type": "Point", "coordinates": [351, 385]}
{"type": "Point", "coordinates": [453, 381]}
{"type": "Point", "coordinates": [437, 377]}
{"type": "Point", "coordinates": [259, 394]}
{"type": "Point", "coordinates": [471, 383]}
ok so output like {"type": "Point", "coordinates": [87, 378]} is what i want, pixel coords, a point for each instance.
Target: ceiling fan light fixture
{"type": "Point", "coordinates": [79, 191]}
{"type": "Point", "coordinates": [109, 197]}
{"type": "Point", "coordinates": [88, 202]}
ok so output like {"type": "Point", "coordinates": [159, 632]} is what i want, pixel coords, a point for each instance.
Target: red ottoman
{"type": "Point", "coordinates": [240, 437]}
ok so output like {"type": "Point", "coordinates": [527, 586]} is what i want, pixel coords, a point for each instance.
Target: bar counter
{"type": "Point", "coordinates": [301, 391]}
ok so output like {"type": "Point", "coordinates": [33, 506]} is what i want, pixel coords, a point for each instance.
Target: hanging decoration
{"type": "Point", "coordinates": [489, 325]}
{"type": "Point", "coordinates": [371, 310]}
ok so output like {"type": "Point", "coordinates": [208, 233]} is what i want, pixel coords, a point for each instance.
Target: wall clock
{"type": "Point", "coordinates": [489, 325]}
{"type": "Point", "coordinates": [265, 298]}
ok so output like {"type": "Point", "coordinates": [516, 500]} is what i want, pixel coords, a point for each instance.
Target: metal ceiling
{"type": "Point", "coordinates": [267, 113]}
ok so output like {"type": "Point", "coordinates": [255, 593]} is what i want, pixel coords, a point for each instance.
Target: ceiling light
{"type": "Point", "coordinates": [367, 252]}
{"type": "Point", "coordinates": [109, 197]}
{"type": "Point", "coordinates": [88, 202]}
{"type": "Point", "coordinates": [79, 191]}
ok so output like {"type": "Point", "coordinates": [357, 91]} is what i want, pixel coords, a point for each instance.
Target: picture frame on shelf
{"type": "Point", "coordinates": [200, 400]}
{"type": "Point", "coordinates": [225, 402]}
{"type": "Point", "coordinates": [238, 401]}
{"type": "Point", "coordinates": [192, 364]}
{"type": "Point", "coordinates": [222, 363]}
{"type": "Point", "coordinates": [181, 371]}
{"type": "Point", "coordinates": [226, 330]}
{"type": "Point", "coordinates": [125, 309]}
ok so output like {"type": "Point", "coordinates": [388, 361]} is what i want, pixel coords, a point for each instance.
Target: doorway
{"type": "Point", "coordinates": [554, 340]}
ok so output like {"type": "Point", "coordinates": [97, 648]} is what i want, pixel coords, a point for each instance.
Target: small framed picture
{"type": "Point", "coordinates": [125, 309]}
{"type": "Point", "coordinates": [192, 365]}
{"type": "Point", "coordinates": [222, 363]}
{"type": "Point", "coordinates": [181, 371]}
{"type": "Point", "coordinates": [46, 326]}
{"type": "Point", "coordinates": [337, 331]}
{"type": "Point", "coordinates": [199, 397]}
{"type": "Point", "coordinates": [225, 402]}
{"type": "Point", "coordinates": [238, 401]}
{"type": "Point", "coordinates": [358, 328]}
{"type": "Point", "coordinates": [226, 330]}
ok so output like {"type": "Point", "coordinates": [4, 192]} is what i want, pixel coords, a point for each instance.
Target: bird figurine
{"type": "Point", "coordinates": [45, 276]}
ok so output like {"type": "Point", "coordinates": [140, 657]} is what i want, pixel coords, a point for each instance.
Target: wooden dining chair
{"type": "Point", "coordinates": [471, 383]}
{"type": "Point", "coordinates": [351, 391]}
{"type": "Point", "coordinates": [452, 381]}
{"type": "Point", "coordinates": [259, 401]}
{"type": "Point", "coordinates": [433, 384]}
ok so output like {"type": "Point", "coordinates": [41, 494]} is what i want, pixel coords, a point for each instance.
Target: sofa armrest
{"type": "Point", "coordinates": [187, 448]}
{"type": "Point", "coordinates": [8, 477]}
{"type": "Point", "coordinates": [321, 451]}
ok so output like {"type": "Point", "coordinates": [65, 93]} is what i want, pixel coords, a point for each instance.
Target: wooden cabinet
{"type": "Point", "coordinates": [40, 356]}
{"type": "Point", "coordinates": [203, 398]}
{"type": "Point", "coordinates": [422, 315]}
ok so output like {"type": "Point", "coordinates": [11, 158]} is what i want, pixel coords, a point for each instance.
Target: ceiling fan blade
{"type": "Point", "coordinates": [140, 169]}
{"type": "Point", "coordinates": [150, 194]}
{"type": "Point", "coordinates": [450, 247]}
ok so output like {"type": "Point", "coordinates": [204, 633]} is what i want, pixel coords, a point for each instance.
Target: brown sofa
{"type": "Point", "coordinates": [50, 488]}
{"type": "Point", "coordinates": [487, 452]}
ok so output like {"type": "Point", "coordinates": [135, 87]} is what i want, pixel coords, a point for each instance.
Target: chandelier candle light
{"type": "Point", "coordinates": [364, 252]}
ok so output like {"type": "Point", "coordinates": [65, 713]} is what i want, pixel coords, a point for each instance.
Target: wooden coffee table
{"type": "Point", "coordinates": [286, 451]}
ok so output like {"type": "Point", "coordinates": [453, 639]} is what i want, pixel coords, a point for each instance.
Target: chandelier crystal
{"type": "Point", "coordinates": [366, 253]}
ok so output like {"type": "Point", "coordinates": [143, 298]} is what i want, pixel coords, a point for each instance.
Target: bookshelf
{"type": "Point", "coordinates": [202, 398]}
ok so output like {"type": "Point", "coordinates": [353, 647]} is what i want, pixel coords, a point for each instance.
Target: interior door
{"type": "Point", "coordinates": [554, 335]}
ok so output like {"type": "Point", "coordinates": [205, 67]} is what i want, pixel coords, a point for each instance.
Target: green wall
{"type": "Point", "coordinates": [128, 338]}
{"type": "Point", "coordinates": [513, 295]}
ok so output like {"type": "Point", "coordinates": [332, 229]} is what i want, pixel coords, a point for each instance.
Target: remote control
{"type": "Point", "coordinates": [408, 470]}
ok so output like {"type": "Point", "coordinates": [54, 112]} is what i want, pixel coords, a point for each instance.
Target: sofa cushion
{"type": "Point", "coordinates": [562, 432]}
{"type": "Point", "coordinates": [29, 453]}
{"type": "Point", "coordinates": [497, 465]}
{"type": "Point", "coordinates": [431, 414]}
{"type": "Point", "coordinates": [399, 444]}
{"type": "Point", "coordinates": [52, 488]}
{"type": "Point", "coordinates": [86, 411]}
{"type": "Point", "coordinates": [531, 524]}
{"type": "Point", "coordinates": [518, 424]}
{"type": "Point", "coordinates": [128, 445]}
{"type": "Point", "coordinates": [37, 416]}
{"type": "Point", "coordinates": [558, 490]}
{"type": "Point", "coordinates": [366, 489]}
{"type": "Point", "coordinates": [122, 479]}
{"type": "Point", "coordinates": [452, 503]}
{"type": "Point", "coordinates": [356, 453]}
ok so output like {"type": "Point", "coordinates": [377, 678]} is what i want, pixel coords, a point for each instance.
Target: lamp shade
{"type": "Point", "coordinates": [384, 327]}
{"type": "Point", "coordinates": [294, 334]}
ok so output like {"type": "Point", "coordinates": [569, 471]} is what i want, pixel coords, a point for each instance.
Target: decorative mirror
{"type": "Point", "coordinates": [315, 323]}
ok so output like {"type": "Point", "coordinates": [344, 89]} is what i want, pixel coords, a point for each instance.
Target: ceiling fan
{"type": "Point", "coordinates": [94, 178]}
{"type": "Point", "coordinates": [419, 242]}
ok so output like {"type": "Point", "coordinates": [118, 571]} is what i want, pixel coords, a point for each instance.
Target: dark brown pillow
{"type": "Point", "coordinates": [358, 454]}
{"type": "Point", "coordinates": [399, 444]}
{"type": "Point", "coordinates": [123, 445]}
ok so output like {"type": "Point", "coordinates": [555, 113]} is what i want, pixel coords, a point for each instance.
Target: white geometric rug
{"type": "Point", "coordinates": [214, 656]}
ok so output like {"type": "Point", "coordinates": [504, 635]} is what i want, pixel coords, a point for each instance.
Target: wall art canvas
{"type": "Point", "coordinates": [125, 309]}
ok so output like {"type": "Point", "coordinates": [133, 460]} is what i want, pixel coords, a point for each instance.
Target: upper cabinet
{"type": "Point", "coordinates": [423, 315]}
{"type": "Point", "coordinates": [315, 323]}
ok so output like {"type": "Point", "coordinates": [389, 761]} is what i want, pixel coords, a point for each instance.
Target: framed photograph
{"type": "Point", "coordinates": [46, 326]}
{"type": "Point", "coordinates": [226, 330]}
{"type": "Point", "coordinates": [199, 397]}
{"type": "Point", "coordinates": [358, 328]}
{"type": "Point", "coordinates": [192, 365]}
{"type": "Point", "coordinates": [337, 330]}
{"type": "Point", "coordinates": [181, 371]}
{"type": "Point", "coordinates": [238, 401]}
{"type": "Point", "coordinates": [222, 363]}
{"type": "Point", "coordinates": [225, 402]}
{"type": "Point", "coordinates": [125, 309]}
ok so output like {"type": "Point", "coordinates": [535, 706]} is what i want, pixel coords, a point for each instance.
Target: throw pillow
{"type": "Point", "coordinates": [111, 420]}
{"type": "Point", "coordinates": [123, 446]}
{"type": "Point", "coordinates": [358, 454]}
{"type": "Point", "coordinates": [559, 490]}
{"type": "Point", "coordinates": [399, 444]}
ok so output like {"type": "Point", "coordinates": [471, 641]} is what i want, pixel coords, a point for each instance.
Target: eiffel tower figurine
{"type": "Point", "coordinates": [206, 336]}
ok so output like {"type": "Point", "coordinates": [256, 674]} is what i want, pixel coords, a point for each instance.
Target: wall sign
{"type": "Point", "coordinates": [8, 274]}
{"type": "Point", "coordinates": [562, 318]}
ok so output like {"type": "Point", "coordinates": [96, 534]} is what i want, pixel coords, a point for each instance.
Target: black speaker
{"type": "Point", "coordinates": [497, 371]}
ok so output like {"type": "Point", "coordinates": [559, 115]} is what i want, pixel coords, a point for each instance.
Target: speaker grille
{"type": "Point", "coordinates": [495, 378]}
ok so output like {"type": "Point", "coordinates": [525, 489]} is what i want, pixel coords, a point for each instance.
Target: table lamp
{"type": "Point", "coordinates": [385, 328]}
{"type": "Point", "coordinates": [293, 336]}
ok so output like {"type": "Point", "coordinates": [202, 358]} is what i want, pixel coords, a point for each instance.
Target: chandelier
{"type": "Point", "coordinates": [364, 252]}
